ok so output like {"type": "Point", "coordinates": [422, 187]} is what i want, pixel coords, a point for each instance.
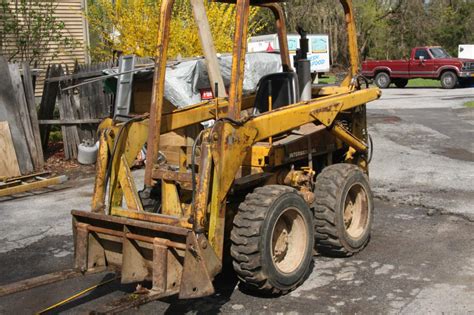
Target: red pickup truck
{"type": "Point", "coordinates": [425, 62]}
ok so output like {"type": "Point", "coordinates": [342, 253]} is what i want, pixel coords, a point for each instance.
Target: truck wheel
{"type": "Point", "coordinates": [343, 210]}
{"type": "Point", "coordinates": [382, 80]}
{"type": "Point", "coordinates": [272, 240]}
{"type": "Point", "coordinates": [401, 83]}
{"type": "Point", "coordinates": [449, 80]}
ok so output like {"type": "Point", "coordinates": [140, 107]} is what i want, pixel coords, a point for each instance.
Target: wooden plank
{"type": "Point", "coordinates": [208, 47]}
{"type": "Point", "coordinates": [27, 177]}
{"type": "Point", "coordinates": [70, 133]}
{"type": "Point", "coordinates": [8, 161]}
{"type": "Point", "coordinates": [86, 130]}
{"type": "Point", "coordinates": [33, 113]}
{"type": "Point", "coordinates": [62, 103]}
{"type": "Point", "coordinates": [62, 114]}
{"type": "Point", "coordinates": [46, 279]}
{"type": "Point", "coordinates": [48, 103]}
{"type": "Point", "coordinates": [9, 112]}
{"type": "Point", "coordinates": [24, 113]}
{"type": "Point", "coordinates": [33, 185]}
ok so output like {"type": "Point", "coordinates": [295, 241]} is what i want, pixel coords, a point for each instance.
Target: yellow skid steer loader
{"type": "Point", "coordinates": [279, 173]}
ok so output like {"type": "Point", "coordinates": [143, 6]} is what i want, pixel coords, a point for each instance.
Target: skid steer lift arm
{"type": "Point", "coordinates": [181, 248]}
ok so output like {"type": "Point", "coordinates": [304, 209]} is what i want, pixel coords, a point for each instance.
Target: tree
{"type": "Point", "coordinates": [29, 30]}
{"type": "Point", "coordinates": [387, 29]}
{"type": "Point", "coordinates": [131, 26]}
{"type": "Point", "coordinates": [454, 24]}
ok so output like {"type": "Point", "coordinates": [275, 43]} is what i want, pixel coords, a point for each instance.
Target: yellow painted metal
{"type": "Point", "coordinates": [351, 41]}
{"type": "Point", "coordinates": [217, 218]}
{"type": "Point", "coordinates": [202, 190]}
{"type": "Point", "coordinates": [349, 156]}
{"type": "Point", "coordinates": [127, 141]}
{"type": "Point", "coordinates": [98, 198]}
{"type": "Point", "coordinates": [151, 217]}
{"type": "Point", "coordinates": [128, 186]}
{"type": "Point", "coordinates": [170, 203]}
{"type": "Point", "coordinates": [242, 8]}
{"type": "Point", "coordinates": [329, 90]}
{"type": "Point", "coordinates": [158, 88]}
{"type": "Point", "coordinates": [348, 138]}
{"type": "Point", "coordinates": [136, 137]}
{"type": "Point", "coordinates": [327, 114]}
{"type": "Point", "coordinates": [230, 145]}
{"type": "Point", "coordinates": [276, 122]}
{"type": "Point", "coordinates": [256, 156]}
{"type": "Point", "coordinates": [229, 149]}
{"type": "Point", "coordinates": [200, 112]}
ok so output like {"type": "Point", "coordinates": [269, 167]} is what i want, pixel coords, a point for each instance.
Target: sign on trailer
{"type": "Point", "coordinates": [318, 48]}
{"type": "Point", "coordinates": [466, 51]}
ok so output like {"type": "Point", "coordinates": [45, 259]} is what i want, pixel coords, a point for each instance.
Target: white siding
{"type": "Point", "coordinates": [71, 12]}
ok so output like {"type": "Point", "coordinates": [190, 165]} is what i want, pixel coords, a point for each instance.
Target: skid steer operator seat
{"type": "Point", "coordinates": [285, 91]}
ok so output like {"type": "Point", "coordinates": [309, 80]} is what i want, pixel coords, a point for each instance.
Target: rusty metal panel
{"type": "Point", "coordinates": [80, 246]}
{"type": "Point", "coordinates": [196, 281]}
{"type": "Point", "coordinates": [160, 267]}
{"type": "Point", "coordinates": [134, 267]}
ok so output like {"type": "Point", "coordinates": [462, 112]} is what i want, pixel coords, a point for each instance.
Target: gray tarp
{"type": "Point", "coordinates": [185, 79]}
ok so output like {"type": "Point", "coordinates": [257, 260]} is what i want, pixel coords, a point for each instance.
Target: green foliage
{"type": "Point", "coordinates": [131, 26]}
{"type": "Point", "coordinates": [454, 25]}
{"type": "Point", "coordinates": [29, 30]}
{"type": "Point", "coordinates": [387, 29]}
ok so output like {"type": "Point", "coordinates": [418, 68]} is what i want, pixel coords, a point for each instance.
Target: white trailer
{"type": "Point", "coordinates": [466, 51]}
{"type": "Point", "coordinates": [318, 48]}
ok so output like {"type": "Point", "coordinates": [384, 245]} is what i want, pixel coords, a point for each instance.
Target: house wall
{"type": "Point", "coordinates": [71, 12]}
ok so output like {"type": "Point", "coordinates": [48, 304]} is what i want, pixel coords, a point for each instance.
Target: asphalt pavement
{"type": "Point", "coordinates": [420, 258]}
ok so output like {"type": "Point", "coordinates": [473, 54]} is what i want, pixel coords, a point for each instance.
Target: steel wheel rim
{"type": "Point", "coordinates": [448, 80]}
{"type": "Point", "coordinates": [289, 241]}
{"type": "Point", "coordinates": [356, 211]}
{"type": "Point", "coordinates": [382, 80]}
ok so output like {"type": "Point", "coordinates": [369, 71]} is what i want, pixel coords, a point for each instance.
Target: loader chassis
{"type": "Point", "coordinates": [251, 185]}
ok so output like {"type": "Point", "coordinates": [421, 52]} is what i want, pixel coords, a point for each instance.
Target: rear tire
{"type": "Point", "coordinates": [401, 83]}
{"type": "Point", "coordinates": [273, 240]}
{"type": "Point", "coordinates": [343, 210]}
{"type": "Point", "coordinates": [449, 80]}
{"type": "Point", "coordinates": [382, 80]}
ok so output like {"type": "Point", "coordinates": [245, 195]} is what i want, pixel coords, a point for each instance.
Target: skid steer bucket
{"type": "Point", "coordinates": [174, 259]}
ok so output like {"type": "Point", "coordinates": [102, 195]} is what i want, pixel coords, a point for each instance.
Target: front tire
{"type": "Point", "coordinates": [449, 80]}
{"type": "Point", "coordinates": [401, 83]}
{"type": "Point", "coordinates": [273, 240]}
{"type": "Point", "coordinates": [343, 210]}
{"type": "Point", "coordinates": [382, 80]}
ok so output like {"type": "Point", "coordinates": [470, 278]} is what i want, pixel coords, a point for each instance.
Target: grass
{"type": "Point", "coordinates": [331, 79]}
{"type": "Point", "coordinates": [469, 104]}
{"type": "Point", "coordinates": [423, 83]}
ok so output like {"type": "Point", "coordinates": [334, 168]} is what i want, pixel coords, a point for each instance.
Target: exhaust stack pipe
{"type": "Point", "coordinates": [303, 66]}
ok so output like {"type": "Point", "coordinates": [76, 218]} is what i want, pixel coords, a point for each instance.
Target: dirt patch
{"type": "Point", "coordinates": [56, 164]}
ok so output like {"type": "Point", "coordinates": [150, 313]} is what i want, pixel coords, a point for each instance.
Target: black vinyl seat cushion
{"type": "Point", "coordinates": [284, 86]}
